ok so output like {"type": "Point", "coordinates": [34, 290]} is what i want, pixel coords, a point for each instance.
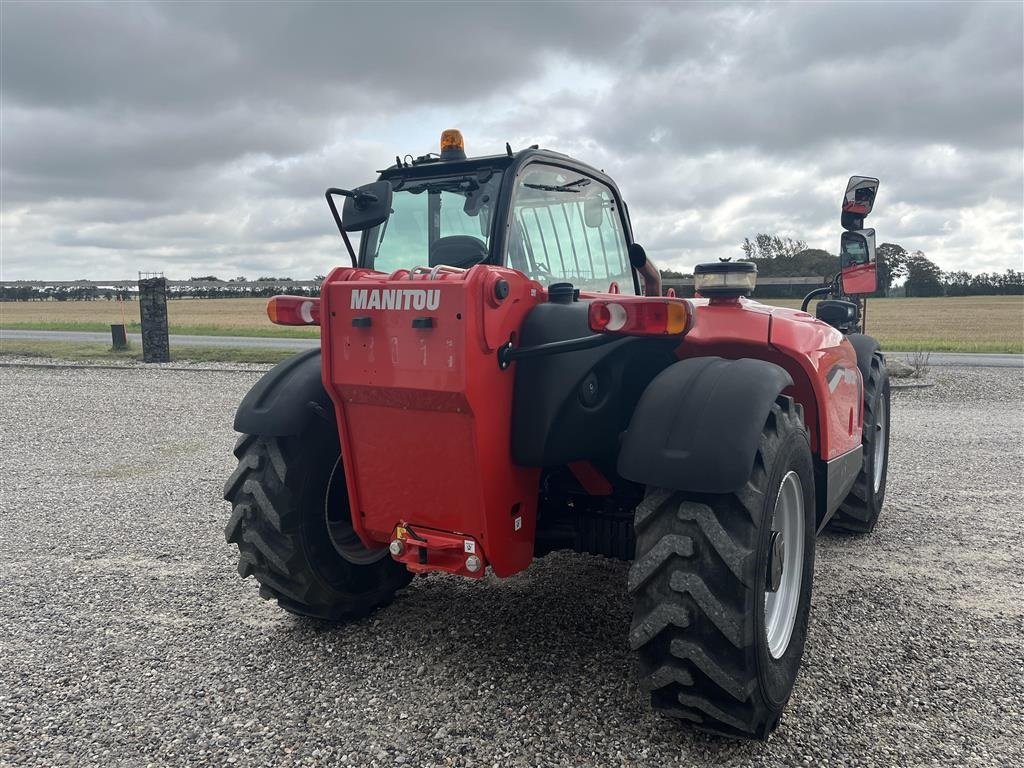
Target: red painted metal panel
{"type": "Point", "coordinates": [424, 412]}
{"type": "Point", "coordinates": [820, 360]}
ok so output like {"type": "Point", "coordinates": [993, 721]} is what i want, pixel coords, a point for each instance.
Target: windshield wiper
{"type": "Point", "coordinates": [567, 187]}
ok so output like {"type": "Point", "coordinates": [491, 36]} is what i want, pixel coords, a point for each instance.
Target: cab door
{"type": "Point", "coordinates": [566, 226]}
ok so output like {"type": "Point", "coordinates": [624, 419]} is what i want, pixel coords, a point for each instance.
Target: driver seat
{"type": "Point", "coordinates": [462, 251]}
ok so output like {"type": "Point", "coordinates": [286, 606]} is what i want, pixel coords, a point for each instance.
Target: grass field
{"type": "Point", "coordinates": [968, 324]}
{"type": "Point", "coordinates": [193, 317]}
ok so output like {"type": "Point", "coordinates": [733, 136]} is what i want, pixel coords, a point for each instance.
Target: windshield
{"type": "Point", "coordinates": [444, 220]}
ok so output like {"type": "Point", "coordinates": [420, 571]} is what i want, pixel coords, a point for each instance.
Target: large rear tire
{"type": "Point", "coordinates": [859, 511]}
{"type": "Point", "coordinates": [717, 646]}
{"type": "Point", "coordinates": [291, 522]}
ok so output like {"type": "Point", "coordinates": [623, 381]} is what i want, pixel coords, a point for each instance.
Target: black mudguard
{"type": "Point", "coordinates": [697, 425]}
{"type": "Point", "coordinates": [285, 399]}
{"type": "Point", "coordinates": [865, 347]}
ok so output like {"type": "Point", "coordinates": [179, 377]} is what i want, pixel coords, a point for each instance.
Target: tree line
{"type": "Point", "coordinates": [919, 276]}
{"type": "Point", "coordinates": [230, 289]}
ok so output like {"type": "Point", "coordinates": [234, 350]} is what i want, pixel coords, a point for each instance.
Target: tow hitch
{"type": "Point", "coordinates": [423, 550]}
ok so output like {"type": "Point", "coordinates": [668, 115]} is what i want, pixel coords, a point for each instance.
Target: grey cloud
{"type": "Point", "coordinates": [781, 80]}
{"type": "Point", "coordinates": [315, 55]}
{"type": "Point", "coordinates": [199, 138]}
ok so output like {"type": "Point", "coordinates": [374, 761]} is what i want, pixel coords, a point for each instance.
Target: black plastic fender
{"type": "Point", "coordinates": [697, 425]}
{"type": "Point", "coordinates": [285, 399]}
{"type": "Point", "coordinates": [865, 347]}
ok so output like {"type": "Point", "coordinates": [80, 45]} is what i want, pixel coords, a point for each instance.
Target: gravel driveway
{"type": "Point", "coordinates": [126, 637]}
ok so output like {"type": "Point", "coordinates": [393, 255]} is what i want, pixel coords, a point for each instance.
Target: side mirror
{"type": "Point", "coordinates": [365, 207]}
{"type": "Point", "coordinates": [637, 256]}
{"type": "Point", "coordinates": [648, 272]}
{"type": "Point", "coordinates": [857, 262]}
{"type": "Point", "coordinates": [858, 201]}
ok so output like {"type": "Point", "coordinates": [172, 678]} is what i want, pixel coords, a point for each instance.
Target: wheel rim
{"type": "Point", "coordinates": [782, 605]}
{"type": "Point", "coordinates": [880, 437]}
{"type": "Point", "coordinates": [339, 523]}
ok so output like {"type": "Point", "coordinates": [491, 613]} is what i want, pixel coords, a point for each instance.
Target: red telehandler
{"type": "Point", "coordinates": [500, 377]}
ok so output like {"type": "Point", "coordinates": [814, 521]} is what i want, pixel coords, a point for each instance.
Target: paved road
{"type": "Point", "coordinates": [967, 359]}
{"type": "Point", "coordinates": [957, 359]}
{"type": "Point", "coordinates": [101, 337]}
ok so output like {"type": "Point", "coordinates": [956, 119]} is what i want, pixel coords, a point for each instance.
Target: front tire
{"type": "Point", "coordinates": [859, 511]}
{"type": "Point", "coordinates": [716, 646]}
{"type": "Point", "coordinates": [291, 522]}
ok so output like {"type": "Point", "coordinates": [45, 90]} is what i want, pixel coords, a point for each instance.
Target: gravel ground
{"type": "Point", "coordinates": [126, 637]}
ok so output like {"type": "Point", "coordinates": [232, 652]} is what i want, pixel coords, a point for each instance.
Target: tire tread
{"type": "Point", "coordinates": [858, 512]}
{"type": "Point", "coordinates": [693, 630]}
{"type": "Point", "coordinates": [265, 525]}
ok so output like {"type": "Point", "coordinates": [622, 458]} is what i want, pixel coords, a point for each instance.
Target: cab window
{"type": "Point", "coordinates": [566, 227]}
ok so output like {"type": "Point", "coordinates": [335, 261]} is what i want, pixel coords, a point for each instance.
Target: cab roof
{"type": "Point", "coordinates": [432, 165]}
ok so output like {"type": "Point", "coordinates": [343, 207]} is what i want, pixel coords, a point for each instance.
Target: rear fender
{"type": "Point", "coordinates": [697, 425]}
{"type": "Point", "coordinates": [865, 347]}
{"type": "Point", "coordinates": [285, 399]}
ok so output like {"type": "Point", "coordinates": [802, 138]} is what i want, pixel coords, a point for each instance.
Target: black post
{"type": "Point", "coordinates": [156, 346]}
{"type": "Point", "coordinates": [118, 337]}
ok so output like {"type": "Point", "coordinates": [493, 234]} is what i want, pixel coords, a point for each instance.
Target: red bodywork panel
{"type": "Point", "coordinates": [821, 361]}
{"type": "Point", "coordinates": [425, 413]}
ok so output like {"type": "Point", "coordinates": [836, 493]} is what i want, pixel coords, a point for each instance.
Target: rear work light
{"type": "Point", "coordinates": [640, 317]}
{"type": "Point", "coordinates": [726, 279]}
{"type": "Point", "coordinates": [293, 310]}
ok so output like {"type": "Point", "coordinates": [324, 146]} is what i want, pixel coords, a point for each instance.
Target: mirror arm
{"type": "Point", "coordinates": [816, 292]}
{"type": "Point", "coordinates": [337, 218]}
{"type": "Point", "coordinates": [652, 279]}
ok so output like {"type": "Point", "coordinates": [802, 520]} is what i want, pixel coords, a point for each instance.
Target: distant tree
{"type": "Point", "coordinates": [924, 278]}
{"type": "Point", "coordinates": [891, 260]}
{"type": "Point", "coordinates": [1013, 282]}
{"type": "Point", "coordinates": [961, 283]}
{"type": "Point", "coordinates": [786, 257]}
{"type": "Point", "coordinates": [771, 247]}
{"type": "Point", "coordinates": [811, 261]}
{"type": "Point", "coordinates": [204, 277]}
{"type": "Point", "coordinates": [671, 274]}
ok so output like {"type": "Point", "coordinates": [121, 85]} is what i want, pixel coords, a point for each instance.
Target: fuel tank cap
{"type": "Point", "coordinates": [562, 293]}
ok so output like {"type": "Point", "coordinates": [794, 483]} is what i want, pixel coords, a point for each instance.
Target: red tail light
{"type": "Point", "coordinates": [293, 310]}
{"type": "Point", "coordinates": [640, 316]}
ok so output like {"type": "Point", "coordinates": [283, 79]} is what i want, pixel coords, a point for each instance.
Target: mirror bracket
{"type": "Point", "coordinates": [365, 207]}
{"type": "Point", "coordinates": [329, 194]}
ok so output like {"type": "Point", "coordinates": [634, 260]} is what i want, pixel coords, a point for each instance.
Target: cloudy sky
{"type": "Point", "coordinates": [198, 138]}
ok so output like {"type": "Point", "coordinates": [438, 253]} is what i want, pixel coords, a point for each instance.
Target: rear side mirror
{"type": "Point", "coordinates": [366, 206]}
{"type": "Point", "coordinates": [858, 201]}
{"type": "Point", "coordinates": [857, 262]}
{"type": "Point", "coordinates": [637, 256]}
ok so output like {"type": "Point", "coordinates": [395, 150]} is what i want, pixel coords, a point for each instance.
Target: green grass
{"type": "Point", "coordinates": [84, 352]}
{"type": "Point", "coordinates": [275, 331]}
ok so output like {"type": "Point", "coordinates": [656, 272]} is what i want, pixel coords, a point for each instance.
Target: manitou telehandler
{"type": "Point", "coordinates": [499, 377]}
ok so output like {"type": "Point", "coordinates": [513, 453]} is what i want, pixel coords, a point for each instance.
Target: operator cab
{"type": "Point", "coordinates": [540, 212]}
